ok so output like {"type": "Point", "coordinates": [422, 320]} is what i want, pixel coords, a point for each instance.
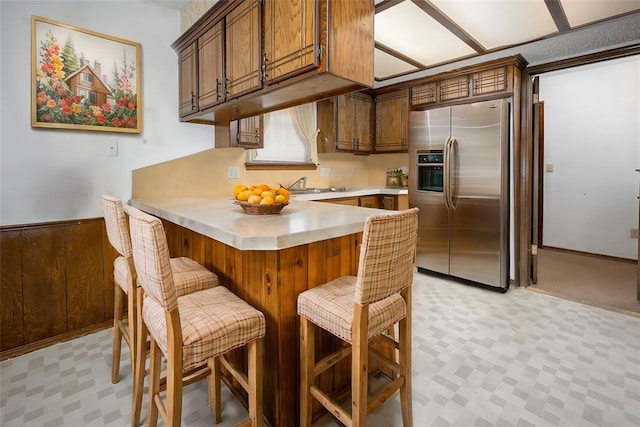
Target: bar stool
{"type": "Point", "coordinates": [192, 331]}
{"type": "Point", "coordinates": [189, 276]}
{"type": "Point", "coordinates": [358, 310]}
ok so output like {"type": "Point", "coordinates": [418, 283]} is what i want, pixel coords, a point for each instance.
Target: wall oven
{"type": "Point", "coordinates": [430, 170]}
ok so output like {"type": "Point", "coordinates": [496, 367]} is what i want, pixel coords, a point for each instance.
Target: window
{"type": "Point", "coordinates": [87, 78]}
{"type": "Point", "coordinates": [282, 143]}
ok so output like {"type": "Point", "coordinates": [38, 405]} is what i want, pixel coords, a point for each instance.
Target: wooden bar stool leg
{"type": "Point", "coordinates": [405, 363]}
{"type": "Point", "coordinates": [174, 387]}
{"type": "Point", "coordinates": [215, 391]}
{"type": "Point", "coordinates": [118, 314]}
{"type": "Point", "coordinates": [139, 360]}
{"type": "Point", "coordinates": [307, 363]}
{"type": "Point", "coordinates": [256, 351]}
{"type": "Point", "coordinates": [154, 383]}
{"type": "Point", "coordinates": [359, 366]}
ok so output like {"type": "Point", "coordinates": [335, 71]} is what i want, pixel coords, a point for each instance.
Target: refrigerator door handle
{"type": "Point", "coordinates": [451, 158]}
{"type": "Point", "coordinates": [445, 173]}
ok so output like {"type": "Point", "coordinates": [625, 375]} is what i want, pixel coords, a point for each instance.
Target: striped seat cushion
{"type": "Point", "coordinates": [213, 322]}
{"type": "Point", "coordinates": [330, 306]}
{"type": "Point", "coordinates": [188, 275]}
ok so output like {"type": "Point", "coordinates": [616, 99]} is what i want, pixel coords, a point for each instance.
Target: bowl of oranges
{"type": "Point", "coordinates": [260, 199]}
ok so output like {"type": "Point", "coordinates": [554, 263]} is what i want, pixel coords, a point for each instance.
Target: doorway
{"type": "Point", "coordinates": [586, 147]}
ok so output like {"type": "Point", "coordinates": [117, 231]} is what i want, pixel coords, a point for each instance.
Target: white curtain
{"type": "Point", "coordinates": [252, 153]}
{"type": "Point", "coordinates": [306, 121]}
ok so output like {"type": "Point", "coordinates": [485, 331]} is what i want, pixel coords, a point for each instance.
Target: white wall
{"type": "Point", "coordinates": [49, 175]}
{"type": "Point", "coordinates": [592, 139]}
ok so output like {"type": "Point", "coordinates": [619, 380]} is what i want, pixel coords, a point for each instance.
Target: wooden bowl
{"type": "Point", "coordinates": [253, 209]}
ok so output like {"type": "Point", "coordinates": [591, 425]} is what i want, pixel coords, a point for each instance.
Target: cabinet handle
{"type": "Point", "coordinates": [218, 89]}
{"type": "Point", "coordinates": [193, 100]}
{"type": "Point", "coordinates": [226, 87]}
{"type": "Point", "coordinates": [264, 67]}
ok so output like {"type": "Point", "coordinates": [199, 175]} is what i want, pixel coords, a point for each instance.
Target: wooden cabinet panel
{"type": "Point", "coordinates": [43, 283]}
{"type": "Point", "coordinates": [369, 202]}
{"type": "Point", "coordinates": [187, 69]}
{"type": "Point", "coordinates": [211, 81]}
{"type": "Point", "coordinates": [248, 133]}
{"type": "Point", "coordinates": [289, 38]}
{"type": "Point", "coordinates": [345, 123]}
{"type": "Point", "coordinates": [392, 122]}
{"type": "Point", "coordinates": [11, 332]}
{"type": "Point", "coordinates": [84, 279]}
{"type": "Point", "coordinates": [243, 58]}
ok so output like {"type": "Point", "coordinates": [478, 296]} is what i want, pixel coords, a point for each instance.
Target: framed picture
{"type": "Point", "coordinates": [83, 80]}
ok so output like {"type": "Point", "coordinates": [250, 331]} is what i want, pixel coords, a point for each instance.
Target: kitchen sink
{"type": "Point", "coordinates": [316, 190]}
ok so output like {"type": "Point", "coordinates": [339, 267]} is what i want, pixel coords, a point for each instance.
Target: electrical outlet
{"type": "Point", "coordinates": [634, 233]}
{"type": "Point", "coordinates": [324, 172]}
{"type": "Point", "coordinates": [233, 172]}
{"type": "Point", "coordinates": [111, 148]}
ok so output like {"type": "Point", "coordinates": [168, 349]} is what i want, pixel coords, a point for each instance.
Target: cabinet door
{"type": "Point", "coordinates": [392, 122]}
{"type": "Point", "coordinates": [243, 49]}
{"type": "Point", "coordinates": [211, 67]}
{"type": "Point", "coordinates": [187, 68]}
{"type": "Point", "coordinates": [289, 38]}
{"type": "Point", "coordinates": [346, 133]}
{"type": "Point", "coordinates": [248, 133]}
{"type": "Point", "coordinates": [364, 114]}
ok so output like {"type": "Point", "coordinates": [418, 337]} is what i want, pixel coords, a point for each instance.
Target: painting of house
{"type": "Point", "coordinates": [87, 82]}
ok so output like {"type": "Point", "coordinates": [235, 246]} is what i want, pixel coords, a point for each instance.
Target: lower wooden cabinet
{"type": "Point", "coordinates": [377, 201]}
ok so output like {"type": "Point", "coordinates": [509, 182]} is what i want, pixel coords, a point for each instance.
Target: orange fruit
{"type": "Point", "coordinates": [243, 196]}
{"type": "Point", "coordinates": [266, 193]}
{"type": "Point", "coordinates": [267, 201]}
{"type": "Point", "coordinates": [238, 188]}
{"type": "Point", "coordinates": [255, 199]}
{"type": "Point", "coordinates": [280, 199]}
{"type": "Point", "coordinates": [257, 190]}
{"type": "Point", "coordinates": [283, 191]}
{"type": "Point", "coordinates": [265, 187]}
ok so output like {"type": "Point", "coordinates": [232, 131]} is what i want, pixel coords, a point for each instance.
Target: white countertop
{"type": "Point", "coordinates": [299, 223]}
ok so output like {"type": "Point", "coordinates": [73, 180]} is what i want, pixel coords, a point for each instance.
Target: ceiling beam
{"type": "Point", "coordinates": [386, 4]}
{"type": "Point", "coordinates": [444, 20]}
{"type": "Point", "coordinates": [400, 56]}
{"type": "Point", "coordinates": [558, 15]}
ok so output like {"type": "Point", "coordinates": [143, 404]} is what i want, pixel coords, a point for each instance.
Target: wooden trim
{"type": "Point", "coordinates": [589, 254]}
{"type": "Point", "coordinates": [444, 20]}
{"type": "Point", "coordinates": [557, 13]}
{"type": "Point", "coordinates": [386, 4]}
{"type": "Point", "coordinates": [400, 56]}
{"type": "Point", "coordinates": [28, 348]}
{"type": "Point", "coordinates": [280, 166]}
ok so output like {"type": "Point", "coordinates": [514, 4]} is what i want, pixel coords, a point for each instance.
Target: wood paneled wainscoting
{"type": "Point", "coordinates": [57, 283]}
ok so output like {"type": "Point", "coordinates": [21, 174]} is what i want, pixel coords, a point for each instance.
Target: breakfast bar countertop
{"type": "Point", "coordinates": [300, 222]}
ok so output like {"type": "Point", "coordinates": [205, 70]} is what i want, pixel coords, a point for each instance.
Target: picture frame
{"type": "Point", "coordinates": [84, 80]}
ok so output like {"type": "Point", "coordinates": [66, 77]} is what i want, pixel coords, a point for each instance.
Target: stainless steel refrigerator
{"type": "Point", "coordinates": [461, 185]}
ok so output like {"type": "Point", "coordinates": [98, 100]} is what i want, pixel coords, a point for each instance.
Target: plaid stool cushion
{"type": "Point", "coordinates": [121, 273]}
{"type": "Point", "coordinates": [189, 276]}
{"type": "Point", "coordinates": [330, 306]}
{"type": "Point", "coordinates": [213, 321]}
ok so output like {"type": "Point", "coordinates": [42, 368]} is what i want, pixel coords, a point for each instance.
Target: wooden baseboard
{"type": "Point", "coordinates": [572, 251]}
{"type": "Point", "coordinates": [28, 348]}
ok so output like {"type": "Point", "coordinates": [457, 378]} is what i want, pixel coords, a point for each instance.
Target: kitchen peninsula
{"type": "Point", "coordinates": [268, 260]}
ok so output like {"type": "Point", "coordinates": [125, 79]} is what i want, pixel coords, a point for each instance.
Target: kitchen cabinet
{"type": "Point", "coordinates": [377, 201]}
{"type": "Point", "coordinates": [345, 124]}
{"type": "Point", "coordinates": [211, 77]}
{"type": "Point", "coordinates": [392, 122]}
{"type": "Point", "coordinates": [243, 66]}
{"type": "Point", "coordinates": [290, 47]}
{"type": "Point", "coordinates": [246, 133]}
{"type": "Point", "coordinates": [309, 50]}
{"type": "Point", "coordinates": [187, 89]}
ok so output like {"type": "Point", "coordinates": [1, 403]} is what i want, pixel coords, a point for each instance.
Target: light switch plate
{"type": "Point", "coordinates": [324, 172]}
{"type": "Point", "coordinates": [111, 148]}
{"type": "Point", "coordinates": [549, 167]}
{"type": "Point", "coordinates": [233, 172]}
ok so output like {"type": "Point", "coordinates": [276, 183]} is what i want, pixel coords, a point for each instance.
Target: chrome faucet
{"type": "Point", "coordinates": [299, 184]}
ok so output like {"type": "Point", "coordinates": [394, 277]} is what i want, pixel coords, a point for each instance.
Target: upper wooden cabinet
{"type": "Point", "coordinates": [211, 75]}
{"type": "Point", "coordinates": [243, 49]}
{"type": "Point", "coordinates": [187, 74]}
{"type": "Point", "coordinates": [290, 44]}
{"type": "Point", "coordinates": [312, 50]}
{"type": "Point", "coordinates": [345, 124]}
{"type": "Point", "coordinates": [246, 133]}
{"type": "Point", "coordinates": [392, 122]}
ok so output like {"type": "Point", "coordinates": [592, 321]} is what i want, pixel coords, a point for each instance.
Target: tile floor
{"type": "Point", "coordinates": [480, 358]}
